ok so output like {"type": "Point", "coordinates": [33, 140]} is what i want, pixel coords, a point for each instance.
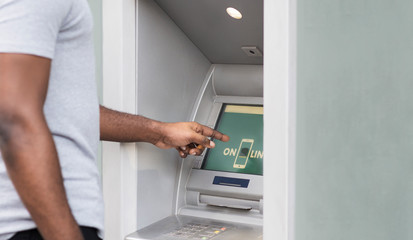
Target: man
{"type": "Point", "coordinates": [49, 123]}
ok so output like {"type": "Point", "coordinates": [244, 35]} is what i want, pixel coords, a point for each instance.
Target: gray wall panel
{"type": "Point", "coordinates": [354, 116]}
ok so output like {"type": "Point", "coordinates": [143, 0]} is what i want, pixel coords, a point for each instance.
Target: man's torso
{"type": "Point", "coordinates": [71, 106]}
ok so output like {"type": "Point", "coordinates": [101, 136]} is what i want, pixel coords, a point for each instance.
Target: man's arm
{"type": "Point", "coordinates": [123, 127]}
{"type": "Point", "coordinates": [27, 145]}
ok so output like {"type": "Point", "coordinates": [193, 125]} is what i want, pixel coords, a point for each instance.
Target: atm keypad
{"type": "Point", "coordinates": [194, 231]}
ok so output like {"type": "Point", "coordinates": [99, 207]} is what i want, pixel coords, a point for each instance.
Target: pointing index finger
{"type": "Point", "coordinates": [214, 134]}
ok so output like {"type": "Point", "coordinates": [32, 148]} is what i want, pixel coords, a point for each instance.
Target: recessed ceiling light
{"type": "Point", "coordinates": [234, 13]}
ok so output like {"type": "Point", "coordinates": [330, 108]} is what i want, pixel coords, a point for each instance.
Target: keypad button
{"type": "Point", "coordinates": [193, 231]}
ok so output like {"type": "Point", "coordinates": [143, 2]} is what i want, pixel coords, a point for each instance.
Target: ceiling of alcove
{"type": "Point", "coordinates": [214, 32]}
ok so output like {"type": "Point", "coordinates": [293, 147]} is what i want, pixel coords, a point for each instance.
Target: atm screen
{"type": "Point", "coordinates": [244, 152]}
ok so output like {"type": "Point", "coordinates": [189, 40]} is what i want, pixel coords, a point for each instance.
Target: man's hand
{"type": "Point", "coordinates": [188, 137]}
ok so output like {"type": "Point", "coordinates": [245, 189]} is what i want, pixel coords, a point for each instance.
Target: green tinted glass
{"type": "Point", "coordinates": [244, 152]}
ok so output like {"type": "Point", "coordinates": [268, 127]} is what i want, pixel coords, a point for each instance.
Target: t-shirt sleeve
{"type": "Point", "coordinates": [30, 26]}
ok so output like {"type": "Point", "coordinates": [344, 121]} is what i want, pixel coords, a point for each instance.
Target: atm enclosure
{"type": "Point", "coordinates": [187, 66]}
{"type": "Point", "coordinates": [216, 192]}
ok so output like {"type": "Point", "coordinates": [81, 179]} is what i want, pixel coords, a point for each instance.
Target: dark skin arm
{"type": "Point", "coordinates": [123, 127]}
{"type": "Point", "coordinates": [27, 145]}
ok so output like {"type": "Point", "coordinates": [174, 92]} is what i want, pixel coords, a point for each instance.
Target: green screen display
{"type": "Point", "coordinates": [244, 152]}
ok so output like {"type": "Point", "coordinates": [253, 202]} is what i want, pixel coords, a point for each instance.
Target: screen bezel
{"type": "Point", "coordinates": [217, 123]}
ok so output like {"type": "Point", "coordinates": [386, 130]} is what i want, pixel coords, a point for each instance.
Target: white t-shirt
{"type": "Point", "coordinates": [62, 31]}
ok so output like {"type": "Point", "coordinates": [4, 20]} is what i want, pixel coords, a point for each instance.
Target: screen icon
{"type": "Point", "coordinates": [243, 153]}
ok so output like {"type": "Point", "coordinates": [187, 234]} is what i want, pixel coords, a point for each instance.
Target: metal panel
{"type": "Point", "coordinates": [170, 73]}
{"type": "Point", "coordinates": [202, 181]}
{"type": "Point", "coordinates": [238, 80]}
{"type": "Point", "coordinates": [235, 231]}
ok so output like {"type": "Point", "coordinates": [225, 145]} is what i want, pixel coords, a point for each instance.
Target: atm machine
{"type": "Point", "coordinates": [219, 195]}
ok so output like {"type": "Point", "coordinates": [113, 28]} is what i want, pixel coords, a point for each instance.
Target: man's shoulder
{"type": "Point", "coordinates": [39, 7]}
{"type": "Point", "coordinates": [32, 26]}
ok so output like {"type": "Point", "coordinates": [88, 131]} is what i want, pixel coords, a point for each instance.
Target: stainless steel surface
{"type": "Point", "coordinates": [202, 181]}
{"type": "Point", "coordinates": [238, 80]}
{"type": "Point", "coordinates": [172, 223]}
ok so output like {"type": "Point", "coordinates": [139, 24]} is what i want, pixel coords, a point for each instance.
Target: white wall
{"type": "Point", "coordinates": [279, 118]}
{"type": "Point", "coordinates": [119, 92]}
{"type": "Point", "coordinates": [96, 9]}
{"type": "Point", "coordinates": [170, 73]}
